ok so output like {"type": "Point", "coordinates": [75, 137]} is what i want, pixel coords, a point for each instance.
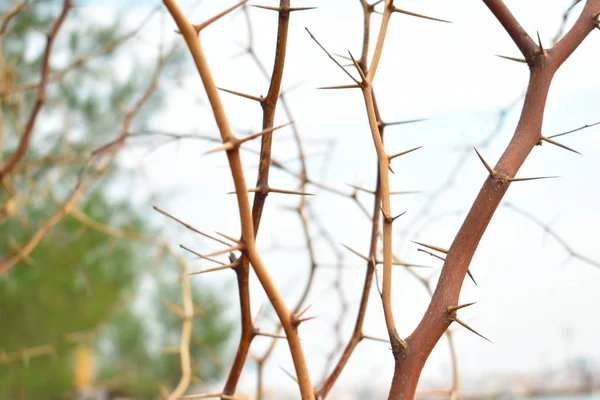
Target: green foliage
{"type": "Point", "coordinates": [81, 286]}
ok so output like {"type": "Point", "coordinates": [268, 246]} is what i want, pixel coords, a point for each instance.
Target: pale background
{"type": "Point", "coordinates": [538, 307]}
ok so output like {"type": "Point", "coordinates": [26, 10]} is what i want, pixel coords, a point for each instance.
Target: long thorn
{"type": "Point", "coordinates": [244, 95]}
{"type": "Point", "coordinates": [287, 9]}
{"type": "Point", "coordinates": [520, 60]}
{"type": "Point", "coordinates": [204, 271]}
{"type": "Point", "coordinates": [545, 139]}
{"type": "Point", "coordinates": [403, 153]}
{"type": "Point", "coordinates": [400, 11]}
{"type": "Point", "coordinates": [531, 179]}
{"type": "Point", "coordinates": [218, 16]}
{"type": "Point", "coordinates": [356, 252]}
{"type": "Point", "coordinates": [332, 58]}
{"type": "Point", "coordinates": [471, 276]}
{"type": "Point", "coordinates": [487, 166]}
{"type": "Point", "coordinates": [456, 319]}
{"type": "Point", "coordinates": [339, 87]}
{"type": "Point", "coordinates": [451, 309]}
{"type": "Point", "coordinates": [429, 246]}
{"type": "Point", "coordinates": [188, 226]}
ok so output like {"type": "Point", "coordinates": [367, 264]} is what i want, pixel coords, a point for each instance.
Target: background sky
{"type": "Point", "coordinates": [536, 304]}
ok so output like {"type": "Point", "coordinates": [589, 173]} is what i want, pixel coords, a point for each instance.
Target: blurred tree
{"type": "Point", "coordinates": [73, 254]}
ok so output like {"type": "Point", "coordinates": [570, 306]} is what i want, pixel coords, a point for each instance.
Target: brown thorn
{"type": "Point", "coordinates": [487, 166]}
{"type": "Point", "coordinates": [188, 226]}
{"type": "Point", "coordinates": [358, 68]}
{"type": "Point", "coordinates": [227, 250]}
{"type": "Point", "coordinates": [332, 58]}
{"type": "Point", "coordinates": [431, 254]}
{"type": "Point", "coordinates": [361, 189]}
{"type": "Point", "coordinates": [452, 309]}
{"type": "Point", "coordinates": [220, 15]}
{"type": "Point", "coordinates": [356, 252]}
{"type": "Point", "coordinates": [521, 60]}
{"type": "Point", "coordinates": [403, 153]}
{"type": "Point", "coordinates": [542, 50]}
{"type": "Point", "coordinates": [339, 87]}
{"type": "Point", "coordinates": [531, 179]}
{"type": "Point", "coordinates": [200, 255]}
{"type": "Point", "coordinates": [472, 278]}
{"type": "Point", "coordinates": [222, 267]}
{"type": "Point", "coordinates": [244, 95]}
{"type": "Point", "coordinates": [429, 246]}
{"type": "Point", "coordinates": [399, 215]}
{"type": "Point", "coordinates": [263, 132]}
{"type": "Point", "coordinates": [408, 121]}
{"type": "Point", "coordinates": [285, 9]}
{"type": "Point", "coordinates": [374, 338]}
{"type": "Point", "coordinates": [456, 319]}
{"type": "Point", "coordinates": [412, 14]}
{"type": "Point", "coordinates": [230, 145]}
{"type": "Point", "coordinates": [545, 139]}
{"type": "Point", "coordinates": [405, 192]}
{"type": "Point", "coordinates": [281, 191]}
{"type": "Point", "coordinates": [234, 240]}
{"type": "Point", "coordinates": [289, 374]}
{"type": "Point", "coordinates": [300, 313]}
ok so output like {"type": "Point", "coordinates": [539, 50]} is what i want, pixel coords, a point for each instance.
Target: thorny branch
{"type": "Point", "coordinates": [289, 320]}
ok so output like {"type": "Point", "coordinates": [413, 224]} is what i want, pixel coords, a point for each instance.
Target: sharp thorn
{"type": "Point", "coordinates": [471, 276]}
{"type": "Point", "coordinates": [218, 16]}
{"type": "Point", "coordinates": [429, 246]}
{"type": "Point", "coordinates": [339, 87]}
{"type": "Point", "coordinates": [263, 132]}
{"type": "Point", "coordinates": [403, 153]}
{"type": "Point", "coordinates": [300, 313]}
{"type": "Point", "coordinates": [188, 226]}
{"type": "Point", "coordinates": [204, 271]}
{"type": "Point", "coordinates": [332, 58]}
{"type": "Point", "coordinates": [356, 252]}
{"type": "Point", "coordinates": [517, 59]}
{"type": "Point", "coordinates": [531, 179]}
{"type": "Point", "coordinates": [224, 251]}
{"type": "Point", "coordinates": [452, 309]}
{"type": "Point", "coordinates": [244, 95]}
{"type": "Point", "coordinates": [400, 11]}
{"type": "Point", "coordinates": [545, 139]}
{"type": "Point", "coordinates": [487, 166]}
{"type": "Point", "coordinates": [226, 146]}
{"type": "Point", "coordinates": [432, 254]}
{"type": "Point", "coordinates": [409, 121]}
{"type": "Point", "coordinates": [455, 319]}
{"type": "Point", "coordinates": [542, 50]}
{"type": "Point", "coordinates": [234, 240]}
{"type": "Point", "coordinates": [285, 9]}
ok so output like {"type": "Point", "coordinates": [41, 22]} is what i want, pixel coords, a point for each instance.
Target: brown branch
{"type": "Point", "coordinates": [23, 145]}
{"type": "Point", "coordinates": [527, 134]}
{"type": "Point", "coordinates": [247, 225]}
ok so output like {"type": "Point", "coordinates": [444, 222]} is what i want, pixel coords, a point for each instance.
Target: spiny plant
{"type": "Point", "coordinates": [410, 353]}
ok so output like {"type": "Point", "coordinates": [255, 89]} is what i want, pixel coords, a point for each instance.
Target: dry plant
{"type": "Point", "coordinates": [410, 353]}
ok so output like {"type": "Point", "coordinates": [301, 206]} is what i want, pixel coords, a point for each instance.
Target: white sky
{"type": "Point", "coordinates": [528, 298]}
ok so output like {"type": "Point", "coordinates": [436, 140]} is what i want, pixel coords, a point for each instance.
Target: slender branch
{"type": "Point", "coordinates": [23, 145]}
{"type": "Point", "coordinates": [192, 40]}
